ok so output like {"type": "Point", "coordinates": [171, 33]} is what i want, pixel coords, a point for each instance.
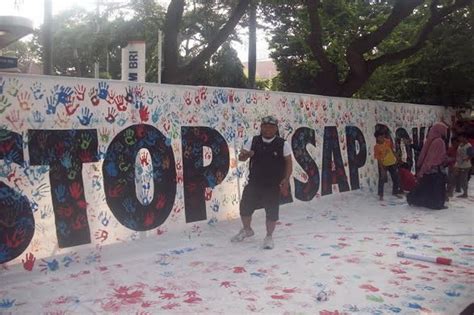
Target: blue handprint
{"type": "Point", "coordinates": [156, 115]}
{"type": "Point", "coordinates": [38, 117]}
{"type": "Point", "coordinates": [63, 228]}
{"type": "Point", "coordinates": [111, 169]}
{"type": "Point", "coordinates": [103, 90]}
{"type": "Point", "coordinates": [5, 303]}
{"type": "Point", "coordinates": [104, 219]}
{"type": "Point", "coordinates": [51, 105]}
{"type": "Point", "coordinates": [11, 157]}
{"type": "Point", "coordinates": [4, 255]}
{"type": "Point", "coordinates": [2, 85]}
{"type": "Point", "coordinates": [66, 160]}
{"type": "Point", "coordinates": [215, 205]}
{"type": "Point", "coordinates": [52, 265]}
{"type": "Point", "coordinates": [64, 95]}
{"type": "Point", "coordinates": [60, 193]}
{"type": "Point", "coordinates": [38, 91]}
{"type": "Point", "coordinates": [85, 119]}
{"type": "Point", "coordinates": [129, 206]}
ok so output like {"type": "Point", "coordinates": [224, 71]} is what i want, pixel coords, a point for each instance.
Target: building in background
{"type": "Point", "coordinates": [12, 28]}
{"type": "Point", "coordinates": [266, 69]}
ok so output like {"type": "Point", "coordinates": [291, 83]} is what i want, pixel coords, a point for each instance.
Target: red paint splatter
{"type": "Point", "coordinates": [239, 270]}
{"type": "Point", "coordinates": [170, 306]}
{"type": "Point", "coordinates": [292, 290]}
{"type": "Point", "coordinates": [280, 296]}
{"type": "Point", "coordinates": [369, 287]}
{"type": "Point", "coordinates": [126, 297]}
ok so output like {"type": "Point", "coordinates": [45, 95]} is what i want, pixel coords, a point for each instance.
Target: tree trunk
{"type": "Point", "coordinates": [172, 73]}
{"type": "Point", "coordinates": [327, 82]}
{"type": "Point", "coordinates": [48, 38]}
{"type": "Point", "coordinates": [172, 24]}
{"type": "Point", "coordinates": [252, 57]}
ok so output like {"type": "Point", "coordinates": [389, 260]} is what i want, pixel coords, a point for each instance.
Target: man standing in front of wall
{"type": "Point", "coordinates": [270, 170]}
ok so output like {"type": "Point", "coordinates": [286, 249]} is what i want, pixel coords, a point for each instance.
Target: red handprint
{"type": "Point", "coordinates": [187, 98]}
{"type": "Point", "coordinates": [85, 156]}
{"type": "Point", "coordinates": [79, 223]}
{"type": "Point", "coordinates": [101, 235]}
{"type": "Point", "coordinates": [94, 98]}
{"type": "Point", "coordinates": [139, 91]}
{"type": "Point", "coordinates": [140, 131]}
{"type": "Point", "coordinates": [161, 201]}
{"type": "Point", "coordinates": [144, 113]}
{"type": "Point", "coordinates": [29, 263]}
{"type": "Point", "coordinates": [208, 193]}
{"type": "Point", "coordinates": [80, 91]}
{"type": "Point", "coordinates": [111, 115]}
{"type": "Point", "coordinates": [120, 103]}
{"type": "Point", "coordinates": [65, 211]}
{"type": "Point", "coordinates": [170, 306]}
{"type": "Point", "coordinates": [168, 296]}
{"type": "Point", "coordinates": [6, 145]}
{"type": "Point", "coordinates": [144, 159]}
{"type": "Point", "coordinates": [115, 191]}
{"type": "Point", "coordinates": [111, 97]}
{"type": "Point", "coordinates": [76, 190]}
{"type": "Point", "coordinates": [15, 240]}
{"type": "Point", "coordinates": [203, 93]}
{"type": "Point", "coordinates": [197, 100]}
{"type": "Point", "coordinates": [149, 218]}
{"type": "Point", "coordinates": [239, 270]}
{"type": "Point", "coordinates": [227, 284]}
{"type": "Point", "coordinates": [70, 107]}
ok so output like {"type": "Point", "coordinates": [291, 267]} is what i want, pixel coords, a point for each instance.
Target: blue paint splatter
{"type": "Point", "coordinates": [415, 306]}
{"type": "Point", "coordinates": [452, 293]}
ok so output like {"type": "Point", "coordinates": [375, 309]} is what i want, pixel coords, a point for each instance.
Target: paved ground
{"type": "Point", "coordinates": [336, 255]}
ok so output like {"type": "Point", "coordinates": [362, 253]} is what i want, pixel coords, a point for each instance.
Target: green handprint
{"type": "Point", "coordinates": [73, 171]}
{"type": "Point", "coordinates": [85, 140]}
{"type": "Point", "coordinates": [15, 86]}
{"type": "Point", "coordinates": [4, 103]}
{"type": "Point", "coordinates": [124, 166]}
{"type": "Point", "coordinates": [130, 137]}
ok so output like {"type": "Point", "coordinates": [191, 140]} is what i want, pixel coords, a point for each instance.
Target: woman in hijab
{"type": "Point", "coordinates": [430, 191]}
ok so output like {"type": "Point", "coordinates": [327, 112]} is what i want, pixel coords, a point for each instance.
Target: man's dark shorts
{"type": "Point", "coordinates": [257, 197]}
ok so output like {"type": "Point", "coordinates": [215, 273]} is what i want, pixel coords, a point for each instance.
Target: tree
{"type": "Point", "coordinates": [252, 62]}
{"type": "Point", "coordinates": [440, 73]}
{"type": "Point", "coordinates": [26, 52]}
{"type": "Point", "coordinates": [333, 47]}
{"type": "Point", "coordinates": [175, 71]}
{"type": "Point", "coordinates": [226, 69]}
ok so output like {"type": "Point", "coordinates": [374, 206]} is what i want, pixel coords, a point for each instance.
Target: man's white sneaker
{"type": "Point", "coordinates": [268, 242]}
{"type": "Point", "coordinates": [243, 233]}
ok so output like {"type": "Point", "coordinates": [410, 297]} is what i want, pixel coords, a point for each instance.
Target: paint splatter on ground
{"type": "Point", "coordinates": [332, 256]}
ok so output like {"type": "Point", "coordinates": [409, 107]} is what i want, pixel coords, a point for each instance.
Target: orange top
{"type": "Point", "coordinates": [384, 153]}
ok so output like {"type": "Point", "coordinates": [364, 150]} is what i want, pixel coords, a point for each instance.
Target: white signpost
{"type": "Point", "coordinates": [133, 61]}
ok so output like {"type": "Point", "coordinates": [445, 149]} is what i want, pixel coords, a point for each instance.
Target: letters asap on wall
{"type": "Point", "coordinates": [89, 162]}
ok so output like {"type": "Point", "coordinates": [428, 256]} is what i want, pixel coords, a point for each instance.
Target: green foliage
{"type": "Point", "coordinates": [440, 73]}
{"type": "Point", "coordinates": [225, 70]}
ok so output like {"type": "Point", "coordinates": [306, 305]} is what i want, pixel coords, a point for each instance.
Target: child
{"type": "Point", "coordinates": [407, 179]}
{"type": "Point", "coordinates": [462, 167]}
{"type": "Point", "coordinates": [386, 160]}
{"type": "Point", "coordinates": [451, 153]}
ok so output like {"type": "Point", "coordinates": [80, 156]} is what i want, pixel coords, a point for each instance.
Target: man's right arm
{"type": "Point", "coordinates": [244, 155]}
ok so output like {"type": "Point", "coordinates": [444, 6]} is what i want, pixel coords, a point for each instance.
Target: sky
{"type": "Point", "coordinates": [33, 9]}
